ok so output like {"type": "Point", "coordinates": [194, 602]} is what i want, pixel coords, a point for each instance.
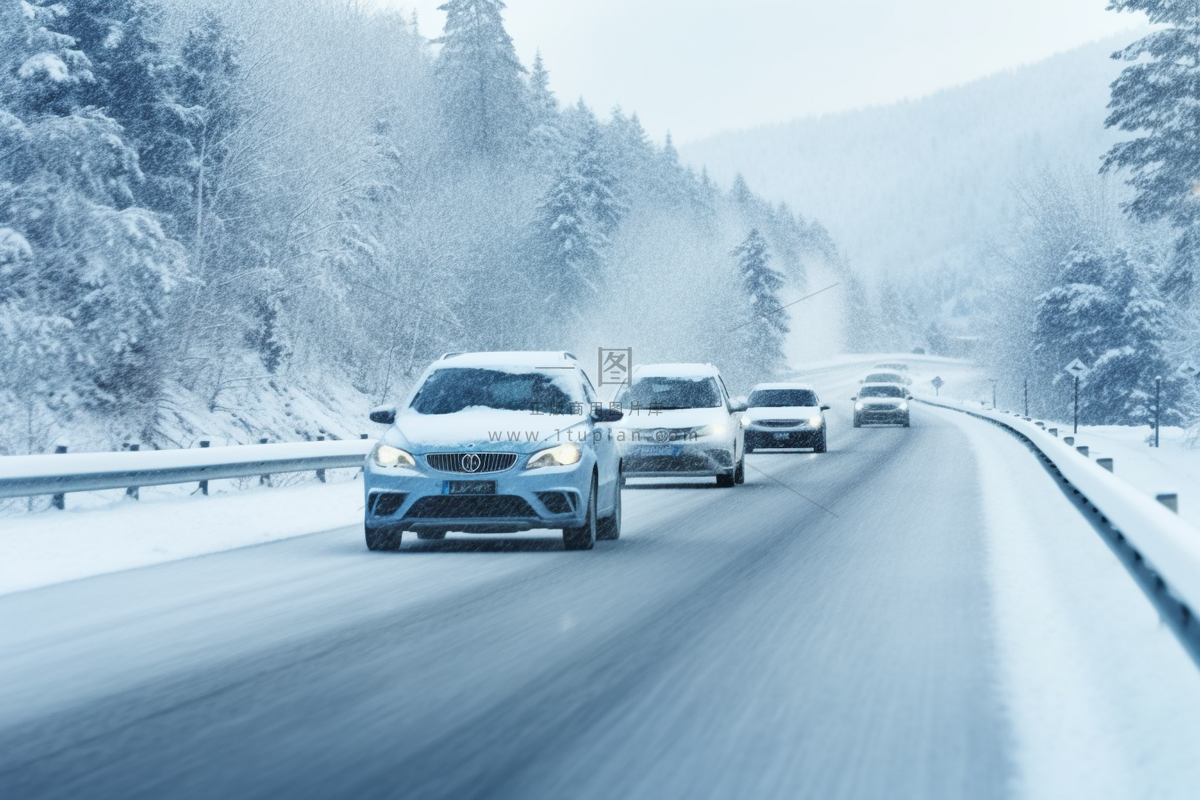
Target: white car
{"type": "Point", "coordinates": [785, 415]}
{"type": "Point", "coordinates": [887, 377]}
{"type": "Point", "coordinates": [680, 422]}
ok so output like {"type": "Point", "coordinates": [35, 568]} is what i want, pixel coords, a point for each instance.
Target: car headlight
{"type": "Point", "coordinates": [858, 406]}
{"type": "Point", "coordinates": [385, 455]}
{"type": "Point", "coordinates": [720, 429]}
{"type": "Point", "coordinates": [564, 455]}
{"type": "Point", "coordinates": [903, 406]}
{"type": "Point", "coordinates": [815, 422]}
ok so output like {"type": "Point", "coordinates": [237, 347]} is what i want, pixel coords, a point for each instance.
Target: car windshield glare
{"type": "Point", "coordinates": [672, 393]}
{"type": "Point", "coordinates": [881, 391]}
{"type": "Point", "coordinates": [782, 398]}
{"type": "Point", "coordinates": [448, 391]}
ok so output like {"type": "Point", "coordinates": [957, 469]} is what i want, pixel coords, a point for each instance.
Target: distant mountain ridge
{"type": "Point", "coordinates": [929, 182]}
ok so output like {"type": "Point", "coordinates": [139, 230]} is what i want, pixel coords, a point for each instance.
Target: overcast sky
{"type": "Point", "coordinates": [696, 67]}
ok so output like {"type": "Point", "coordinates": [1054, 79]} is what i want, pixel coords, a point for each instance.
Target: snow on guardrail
{"type": "Point", "coordinates": [1168, 545]}
{"type": "Point", "coordinates": [26, 476]}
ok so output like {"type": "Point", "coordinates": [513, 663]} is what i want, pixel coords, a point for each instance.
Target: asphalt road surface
{"type": "Point", "coordinates": [822, 631]}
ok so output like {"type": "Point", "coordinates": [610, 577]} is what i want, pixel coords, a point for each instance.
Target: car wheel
{"type": "Point", "coordinates": [583, 537]}
{"type": "Point", "coordinates": [609, 528]}
{"type": "Point", "coordinates": [739, 474]}
{"type": "Point", "coordinates": [431, 536]}
{"type": "Point", "coordinates": [384, 538]}
{"type": "Point", "coordinates": [906, 423]}
{"type": "Point", "coordinates": [820, 448]}
{"type": "Point", "coordinates": [857, 422]}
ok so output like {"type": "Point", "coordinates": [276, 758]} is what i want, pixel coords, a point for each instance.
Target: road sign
{"type": "Point", "coordinates": [938, 383]}
{"type": "Point", "coordinates": [1188, 370]}
{"type": "Point", "coordinates": [1077, 369]}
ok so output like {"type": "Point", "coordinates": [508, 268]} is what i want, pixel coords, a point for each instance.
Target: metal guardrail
{"type": "Point", "coordinates": [1166, 545]}
{"type": "Point", "coordinates": [27, 476]}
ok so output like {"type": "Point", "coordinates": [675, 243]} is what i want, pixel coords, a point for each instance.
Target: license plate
{"type": "Point", "coordinates": [781, 436]}
{"type": "Point", "coordinates": [660, 450]}
{"type": "Point", "coordinates": [470, 487]}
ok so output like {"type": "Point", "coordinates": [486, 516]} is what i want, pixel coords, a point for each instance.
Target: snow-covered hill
{"type": "Point", "coordinates": [931, 182]}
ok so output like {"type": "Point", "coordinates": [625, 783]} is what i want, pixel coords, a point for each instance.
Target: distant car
{"type": "Point", "coordinates": [887, 377]}
{"type": "Point", "coordinates": [785, 415]}
{"type": "Point", "coordinates": [881, 404]}
{"type": "Point", "coordinates": [680, 422]}
{"type": "Point", "coordinates": [496, 443]}
{"type": "Point", "coordinates": [894, 367]}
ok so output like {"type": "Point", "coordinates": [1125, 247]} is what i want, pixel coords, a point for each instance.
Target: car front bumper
{"type": "Point", "coordinates": [885, 415]}
{"type": "Point", "coordinates": [689, 459]}
{"type": "Point", "coordinates": [783, 437]}
{"type": "Point", "coordinates": [419, 499]}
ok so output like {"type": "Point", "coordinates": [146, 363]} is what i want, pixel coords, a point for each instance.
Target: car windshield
{"type": "Point", "coordinates": [672, 393]}
{"type": "Point", "coordinates": [780, 398]}
{"type": "Point", "coordinates": [881, 391]}
{"type": "Point", "coordinates": [448, 391]}
{"type": "Point", "coordinates": [884, 377]}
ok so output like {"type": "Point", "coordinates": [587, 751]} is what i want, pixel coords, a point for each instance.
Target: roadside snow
{"type": "Point", "coordinates": [1172, 467]}
{"type": "Point", "coordinates": [1104, 701]}
{"type": "Point", "coordinates": [55, 546]}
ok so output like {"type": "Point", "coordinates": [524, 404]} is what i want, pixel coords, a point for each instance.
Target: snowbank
{"type": "Point", "coordinates": [56, 546]}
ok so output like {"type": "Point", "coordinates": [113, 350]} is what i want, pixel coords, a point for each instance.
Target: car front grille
{"type": "Point", "coordinates": [663, 435]}
{"type": "Point", "coordinates": [468, 507]}
{"type": "Point", "coordinates": [779, 423]}
{"type": "Point", "coordinates": [471, 463]}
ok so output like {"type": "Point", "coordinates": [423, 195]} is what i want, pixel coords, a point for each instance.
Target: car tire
{"type": "Point", "coordinates": [583, 537]}
{"type": "Point", "coordinates": [739, 474]}
{"type": "Point", "coordinates": [430, 536]}
{"type": "Point", "coordinates": [608, 529]}
{"type": "Point", "coordinates": [857, 422]}
{"type": "Point", "coordinates": [820, 448]}
{"type": "Point", "coordinates": [385, 539]}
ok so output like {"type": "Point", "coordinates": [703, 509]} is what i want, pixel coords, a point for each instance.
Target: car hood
{"type": "Point", "coordinates": [783, 412]}
{"type": "Point", "coordinates": [484, 430]}
{"type": "Point", "coordinates": [678, 418]}
{"type": "Point", "coordinates": [881, 401]}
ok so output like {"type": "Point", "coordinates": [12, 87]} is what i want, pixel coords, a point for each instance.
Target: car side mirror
{"type": "Point", "coordinates": [384, 415]}
{"type": "Point", "coordinates": [854, 399]}
{"type": "Point", "coordinates": [607, 415]}
{"type": "Point", "coordinates": [737, 406]}
{"type": "Point", "coordinates": [824, 408]}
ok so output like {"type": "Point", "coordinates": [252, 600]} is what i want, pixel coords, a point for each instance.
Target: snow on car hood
{"type": "Point", "coordinates": [484, 429]}
{"type": "Point", "coordinates": [677, 418]}
{"type": "Point", "coordinates": [783, 412]}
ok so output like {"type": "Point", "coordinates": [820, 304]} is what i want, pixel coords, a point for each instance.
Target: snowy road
{"type": "Point", "coordinates": [733, 643]}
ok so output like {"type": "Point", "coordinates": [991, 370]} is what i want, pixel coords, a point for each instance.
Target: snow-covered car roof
{"type": "Point", "coordinates": [675, 371]}
{"type": "Point", "coordinates": [771, 386]}
{"type": "Point", "coordinates": [517, 359]}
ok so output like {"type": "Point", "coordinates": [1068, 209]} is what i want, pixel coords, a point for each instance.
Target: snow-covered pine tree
{"type": "Point", "coordinates": [860, 325]}
{"type": "Point", "coordinates": [484, 97]}
{"type": "Point", "coordinates": [94, 271]}
{"type": "Point", "coordinates": [543, 105]}
{"type": "Point", "coordinates": [1073, 319]}
{"type": "Point", "coordinates": [1120, 389]}
{"type": "Point", "coordinates": [1154, 97]}
{"type": "Point", "coordinates": [765, 326]}
{"type": "Point", "coordinates": [133, 86]}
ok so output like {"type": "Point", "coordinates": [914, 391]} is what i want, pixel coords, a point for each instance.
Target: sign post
{"type": "Point", "coordinates": [938, 383]}
{"type": "Point", "coordinates": [1157, 403]}
{"type": "Point", "coordinates": [1077, 369]}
